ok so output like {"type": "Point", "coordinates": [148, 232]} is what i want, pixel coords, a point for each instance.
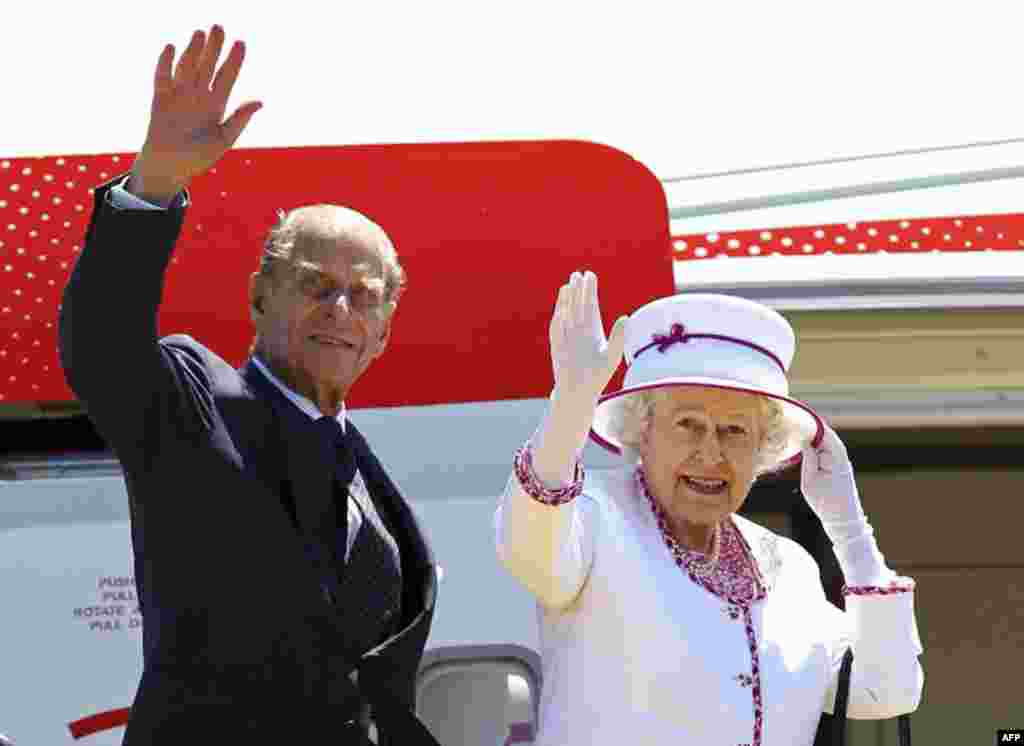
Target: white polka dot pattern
{"type": "Point", "coordinates": [45, 206]}
{"type": "Point", "coordinates": [41, 237]}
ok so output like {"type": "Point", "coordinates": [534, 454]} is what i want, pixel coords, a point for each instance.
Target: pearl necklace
{"type": "Point", "coordinates": [702, 566]}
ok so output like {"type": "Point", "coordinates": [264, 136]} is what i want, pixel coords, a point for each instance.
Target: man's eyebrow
{"type": "Point", "coordinates": [370, 283]}
{"type": "Point", "coordinates": [362, 274]}
{"type": "Point", "coordinates": [365, 274]}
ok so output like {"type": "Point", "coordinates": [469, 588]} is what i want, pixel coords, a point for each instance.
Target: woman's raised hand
{"type": "Point", "coordinates": [582, 358]}
{"type": "Point", "coordinates": [187, 131]}
{"type": "Point", "coordinates": [828, 482]}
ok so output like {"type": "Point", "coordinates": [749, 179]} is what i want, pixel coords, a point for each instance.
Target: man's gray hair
{"type": "Point", "coordinates": [288, 231]}
{"type": "Point", "coordinates": [630, 415]}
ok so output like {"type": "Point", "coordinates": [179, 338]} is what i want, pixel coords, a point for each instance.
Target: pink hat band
{"type": "Point", "coordinates": [741, 345]}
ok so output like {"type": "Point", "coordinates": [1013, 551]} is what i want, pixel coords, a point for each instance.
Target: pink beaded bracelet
{"type": "Point", "coordinates": [902, 585]}
{"type": "Point", "coordinates": [535, 488]}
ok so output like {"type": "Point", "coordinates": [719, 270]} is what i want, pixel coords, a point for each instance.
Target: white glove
{"type": "Point", "coordinates": [583, 362]}
{"type": "Point", "coordinates": [829, 487]}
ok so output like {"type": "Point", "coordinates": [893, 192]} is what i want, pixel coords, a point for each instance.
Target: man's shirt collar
{"type": "Point", "coordinates": [305, 405]}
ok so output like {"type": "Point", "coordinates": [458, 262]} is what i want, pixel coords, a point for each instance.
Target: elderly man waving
{"type": "Point", "coordinates": [243, 481]}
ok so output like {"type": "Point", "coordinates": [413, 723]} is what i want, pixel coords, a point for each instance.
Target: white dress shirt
{"type": "Point", "coordinates": [122, 199]}
{"type": "Point", "coordinates": [634, 651]}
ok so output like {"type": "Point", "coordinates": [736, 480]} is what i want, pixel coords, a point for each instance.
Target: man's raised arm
{"type": "Point", "coordinates": [108, 331]}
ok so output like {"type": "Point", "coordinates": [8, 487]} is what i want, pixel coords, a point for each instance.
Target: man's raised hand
{"type": "Point", "coordinates": [187, 131]}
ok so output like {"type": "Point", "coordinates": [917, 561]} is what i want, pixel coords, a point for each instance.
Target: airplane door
{"type": "Point", "coordinates": [484, 695]}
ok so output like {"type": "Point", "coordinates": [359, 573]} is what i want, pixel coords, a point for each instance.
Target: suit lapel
{"type": "Point", "coordinates": [420, 578]}
{"type": "Point", "coordinates": [309, 474]}
{"type": "Point", "coordinates": [253, 435]}
{"type": "Point", "coordinates": [293, 457]}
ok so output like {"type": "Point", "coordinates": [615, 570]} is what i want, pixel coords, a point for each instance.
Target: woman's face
{"type": "Point", "coordinates": [700, 451]}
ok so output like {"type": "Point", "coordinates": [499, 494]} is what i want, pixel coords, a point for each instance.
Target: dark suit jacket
{"type": "Point", "coordinates": [215, 461]}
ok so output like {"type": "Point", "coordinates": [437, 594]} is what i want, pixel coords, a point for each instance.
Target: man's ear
{"type": "Point", "coordinates": [384, 336]}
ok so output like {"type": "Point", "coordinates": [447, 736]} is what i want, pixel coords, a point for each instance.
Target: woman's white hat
{"type": "Point", "coordinates": [720, 341]}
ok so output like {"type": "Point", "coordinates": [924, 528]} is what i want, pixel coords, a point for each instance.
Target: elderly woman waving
{"type": "Point", "coordinates": [666, 618]}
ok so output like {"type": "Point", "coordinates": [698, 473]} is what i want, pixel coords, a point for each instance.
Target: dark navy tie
{"type": "Point", "coordinates": [336, 440]}
{"type": "Point", "coordinates": [333, 530]}
{"type": "Point", "coordinates": [371, 584]}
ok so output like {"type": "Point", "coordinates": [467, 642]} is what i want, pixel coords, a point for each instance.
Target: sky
{"type": "Point", "coordinates": [683, 87]}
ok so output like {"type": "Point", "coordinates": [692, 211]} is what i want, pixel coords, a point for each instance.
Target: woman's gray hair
{"type": "Point", "coordinates": [630, 415]}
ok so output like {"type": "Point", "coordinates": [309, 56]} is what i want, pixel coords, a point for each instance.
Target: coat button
{"type": "Point", "coordinates": [328, 596]}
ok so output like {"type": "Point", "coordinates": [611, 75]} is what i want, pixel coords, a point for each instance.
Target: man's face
{"type": "Point", "coordinates": [322, 319]}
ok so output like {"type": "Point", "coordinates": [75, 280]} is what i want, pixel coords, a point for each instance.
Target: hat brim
{"type": "Point", "coordinates": [798, 412]}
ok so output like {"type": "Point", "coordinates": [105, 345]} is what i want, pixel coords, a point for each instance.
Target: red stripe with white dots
{"type": "Point", "coordinates": [455, 212]}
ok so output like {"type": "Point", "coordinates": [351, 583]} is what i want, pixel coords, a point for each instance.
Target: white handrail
{"type": "Point", "coordinates": [841, 159]}
{"type": "Point", "coordinates": [845, 192]}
